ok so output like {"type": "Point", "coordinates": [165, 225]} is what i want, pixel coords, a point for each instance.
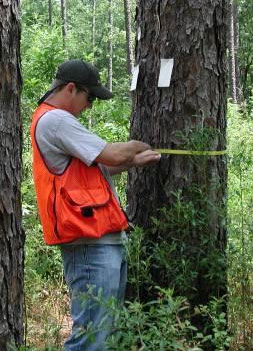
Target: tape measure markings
{"type": "Point", "coordinates": [191, 152]}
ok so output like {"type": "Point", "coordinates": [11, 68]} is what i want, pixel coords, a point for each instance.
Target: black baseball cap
{"type": "Point", "coordinates": [82, 73]}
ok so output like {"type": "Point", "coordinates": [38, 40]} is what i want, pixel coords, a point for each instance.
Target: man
{"type": "Point", "coordinates": [78, 206]}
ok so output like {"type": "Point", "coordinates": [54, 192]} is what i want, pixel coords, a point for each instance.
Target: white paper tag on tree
{"type": "Point", "coordinates": [135, 74]}
{"type": "Point", "coordinates": [165, 73]}
{"type": "Point", "coordinates": [139, 33]}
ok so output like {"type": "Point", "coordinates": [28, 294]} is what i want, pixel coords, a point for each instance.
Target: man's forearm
{"type": "Point", "coordinates": [121, 154]}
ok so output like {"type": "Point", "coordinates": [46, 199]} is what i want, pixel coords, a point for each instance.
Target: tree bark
{"type": "Point", "coordinates": [64, 21]}
{"type": "Point", "coordinates": [127, 7]}
{"type": "Point", "coordinates": [181, 116]}
{"type": "Point", "coordinates": [110, 44]}
{"type": "Point", "coordinates": [11, 234]}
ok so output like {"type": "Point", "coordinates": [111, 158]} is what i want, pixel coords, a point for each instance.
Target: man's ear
{"type": "Point", "coordinates": [70, 87]}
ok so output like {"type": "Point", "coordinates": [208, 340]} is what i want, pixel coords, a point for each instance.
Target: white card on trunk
{"type": "Point", "coordinates": [139, 33]}
{"type": "Point", "coordinates": [165, 72]}
{"type": "Point", "coordinates": [135, 74]}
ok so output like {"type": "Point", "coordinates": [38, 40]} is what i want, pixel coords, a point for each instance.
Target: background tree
{"type": "Point", "coordinates": [110, 46]}
{"type": "Point", "coordinates": [50, 12]}
{"type": "Point", "coordinates": [64, 21]}
{"type": "Point", "coordinates": [127, 8]}
{"type": "Point", "coordinates": [233, 77]}
{"type": "Point", "coordinates": [234, 39]}
{"type": "Point", "coordinates": [186, 194]}
{"type": "Point", "coordinates": [237, 47]}
{"type": "Point", "coordinates": [246, 49]}
{"type": "Point", "coordinates": [94, 30]}
{"type": "Point", "coordinates": [11, 234]}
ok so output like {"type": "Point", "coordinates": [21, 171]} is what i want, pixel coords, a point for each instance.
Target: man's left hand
{"type": "Point", "coordinates": [146, 158]}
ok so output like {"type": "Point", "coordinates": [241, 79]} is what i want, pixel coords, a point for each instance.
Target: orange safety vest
{"type": "Point", "coordinates": [77, 203]}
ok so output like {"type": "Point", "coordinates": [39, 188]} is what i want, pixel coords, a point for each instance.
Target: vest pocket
{"type": "Point", "coordinates": [83, 213]}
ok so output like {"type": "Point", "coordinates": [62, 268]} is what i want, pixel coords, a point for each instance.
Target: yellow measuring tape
{"type": "Point", "coordinates": [189, 152]}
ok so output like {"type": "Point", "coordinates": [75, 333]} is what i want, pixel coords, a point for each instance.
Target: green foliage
{"type": "Point", "coordinates": [42, 52]}
{"type": "Point", "coordinates": [78, 28]}
{"type": "Point", "coordinates": [157, 325]}
{"type": "Point", "coordinates": [163, 323]}
{"type": "Point", "coordinates": [188, 252]}
{"type": "Point", "coordinates": [139, 262]}
{"type": "Point", "coordinates": [219, 337]}
{"type": "Point", "coordinates": [45, 44]}
{"type": "Point", "coordinates": [200, 138]}
{"type": "Point", "coordinates": [240, 127]}
{"type": "Point", "coordinates": [32, 11]}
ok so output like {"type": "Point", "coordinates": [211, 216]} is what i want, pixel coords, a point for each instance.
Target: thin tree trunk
{"type": "Point", "coordinates": [233, 70]}
{"type": "Point", "coordinates": [110, 63]}
{"type": "Point", "coordinates": [237, 47]}
{"type": "Point", "coordinates": [90, 119]}
{"type": "Point", "coordinates": [127, 7]}
{"type": "Point", "coordinates": [94, 30]}
{"type": "Point", "coordinates": [50, 12]}
{"type": "Point", "coordinates": [189, 114]}
{"type": "Point", "coordinates": [11, 234]}
{"type": "Point", "coordinates": [64, 21]}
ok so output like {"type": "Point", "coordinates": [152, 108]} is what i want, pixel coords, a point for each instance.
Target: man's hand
{"type": "Point", "coordinates": [146, 158]}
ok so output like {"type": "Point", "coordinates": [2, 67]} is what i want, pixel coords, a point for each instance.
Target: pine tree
{"type": "Point", "coordinates": [11, 234]}
{"type": "Point", "coordinates": [185, 194]}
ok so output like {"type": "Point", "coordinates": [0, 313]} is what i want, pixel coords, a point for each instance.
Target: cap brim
{"type": "Point", "coordinates": [101, 92]}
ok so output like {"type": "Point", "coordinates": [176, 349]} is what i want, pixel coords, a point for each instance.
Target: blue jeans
{"type": "Point", "coordinates": [97, 268]}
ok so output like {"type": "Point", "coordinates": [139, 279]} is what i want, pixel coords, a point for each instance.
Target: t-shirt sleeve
{"type": "Point", "coordinates": [77, 141]}
{"type": "Point", "coordinates": [73, 139]}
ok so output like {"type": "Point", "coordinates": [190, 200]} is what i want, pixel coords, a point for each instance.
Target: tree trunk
{"type": "Point", "coordinates": [233, 61]}
{"type": "Point", "coordinates": [64, 21]}
{"type": "Point", "coordinates": [127, 7]}
{"type": "Point", "coordinates": [11, 234]}
{"type": "Point", "coordinates": [90, 119]}
{"type": "Point", "coordinates": [190, 114]}
{"type": "Point", "coordinates": [110, 45]}
{"type": "Point", "coordinates": [50, 12]}
{"type": "Point", "coordinates": [94, 30]}
{"type": "Point", "coordinates": [237, 47]}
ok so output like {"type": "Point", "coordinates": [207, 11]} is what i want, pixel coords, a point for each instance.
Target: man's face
{"type": "Point", "coordinates": [80, 101]}
{"type": "Point", "coordinates": [76, 99]}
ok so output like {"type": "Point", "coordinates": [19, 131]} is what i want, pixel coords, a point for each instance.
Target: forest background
{"type": "Point", "coordinates": [52, 33]}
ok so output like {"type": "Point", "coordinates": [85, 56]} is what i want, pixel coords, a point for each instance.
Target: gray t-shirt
{"type": "Point", "coordinates": [60, 136]}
